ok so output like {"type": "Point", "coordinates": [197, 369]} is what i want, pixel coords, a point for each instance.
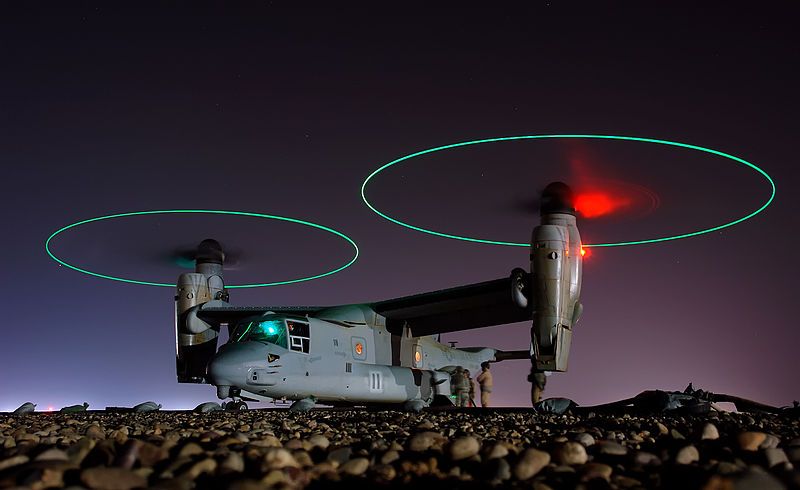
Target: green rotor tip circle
{"type": "Point", "coordinates": [204, 211]}
{"type": "Point", "coordinates": [574, 136]}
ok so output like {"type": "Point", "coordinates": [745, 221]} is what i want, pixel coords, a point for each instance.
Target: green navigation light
{"type": "Point", "coordinates": [204, 211]}
{"type": "Point", "coordinates": [564, 136]}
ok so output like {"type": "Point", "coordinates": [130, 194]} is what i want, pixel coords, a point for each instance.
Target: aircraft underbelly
{"type": "Point", "coordinates": [365, 383]}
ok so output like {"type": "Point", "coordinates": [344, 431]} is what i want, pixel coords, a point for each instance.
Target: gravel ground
{"type": "Point", "coordinates": [358, 448]}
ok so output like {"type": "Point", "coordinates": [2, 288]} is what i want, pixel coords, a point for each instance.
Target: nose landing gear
{"type": "Point", "coordinates": [235, 405]}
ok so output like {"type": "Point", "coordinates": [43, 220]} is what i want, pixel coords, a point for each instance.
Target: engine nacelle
{"type": "Point", "coordinates": [195, 339]}
{"type": "Point", "coordinates": [556, 267]}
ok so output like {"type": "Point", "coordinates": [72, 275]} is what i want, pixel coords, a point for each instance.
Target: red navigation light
{"type": "Point", "coordinates": [583, 252]}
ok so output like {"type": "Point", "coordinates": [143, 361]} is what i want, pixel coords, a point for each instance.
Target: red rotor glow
{"type": "Point", "coordinates": [593, 204]}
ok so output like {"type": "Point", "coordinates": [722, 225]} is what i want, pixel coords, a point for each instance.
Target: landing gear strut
{"type": "Point", "coordinates": [235, 405]}
{"type": "Point", "coordinates": [538, 381]}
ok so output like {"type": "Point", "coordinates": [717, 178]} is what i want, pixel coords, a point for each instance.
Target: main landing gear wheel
{"type": "Point", "coordinates": [235, 406]}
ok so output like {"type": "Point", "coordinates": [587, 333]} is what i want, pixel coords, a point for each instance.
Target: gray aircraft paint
{"type": "Point", "coordinates": [393, 365]}
{"type": "Point", "coordinates": [324, 372]}
{"type": "Point", "coordinates": [556, 254]}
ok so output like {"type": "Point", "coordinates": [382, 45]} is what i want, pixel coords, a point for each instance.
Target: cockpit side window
{"type": "Point", "coordinates": [272, 331]}
{"type": "Point", "coordinates": [299, 336]}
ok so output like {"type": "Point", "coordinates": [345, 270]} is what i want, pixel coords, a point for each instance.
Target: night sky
{"type": "Point", "coordinates": [286, 112]}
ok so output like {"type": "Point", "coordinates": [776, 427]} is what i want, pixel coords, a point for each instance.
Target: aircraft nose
{"type": "Point", "coordinates": [222, 370]}
{"type": "Point", "coordinates": [229, 365]}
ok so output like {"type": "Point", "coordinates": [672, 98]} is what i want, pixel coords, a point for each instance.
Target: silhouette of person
{"type": "Point", "coordinates": [485, 381]}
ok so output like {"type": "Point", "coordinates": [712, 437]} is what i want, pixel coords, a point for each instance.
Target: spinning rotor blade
{"type": "Point", "coordinates": [556, 197]}
{"type": "Point", "coordinates": [602, 198]}
{"type": "Point", "coordinates": [599, 194]}
{"type": "Point", "coordinates": [599, 191]}
{"type": "Point", "coordinates": [526, 205]}
{"type": "Point", "coordinates": [598, 198]}
{"type": "Point", "coordinates": [597, 202]}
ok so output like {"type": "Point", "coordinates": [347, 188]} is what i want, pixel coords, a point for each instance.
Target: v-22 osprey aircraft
{"type": "Point", "coordinates": [385, 352]}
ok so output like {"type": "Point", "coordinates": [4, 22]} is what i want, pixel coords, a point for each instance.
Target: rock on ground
{"type": "Point", "coordinates": [359, 448]}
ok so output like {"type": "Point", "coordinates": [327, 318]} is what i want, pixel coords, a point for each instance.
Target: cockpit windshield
{"type": "Point", "coordinates": [270, 329]}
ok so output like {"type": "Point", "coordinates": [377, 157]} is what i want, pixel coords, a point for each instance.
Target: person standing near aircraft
{"type": "Point", "coordinates": [471, 382]}
{"type": "Point", "coordinates": [454, 376]}
{"type": "Point", "coordinates": [485, 381]}
{"type": "Point", "coordinates": [461, 385]}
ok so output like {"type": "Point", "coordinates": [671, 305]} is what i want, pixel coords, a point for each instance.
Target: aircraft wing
{"type": "Point", "coordinates": [231, 314]}
{"type": "Point", "coordinates": [477, 305]}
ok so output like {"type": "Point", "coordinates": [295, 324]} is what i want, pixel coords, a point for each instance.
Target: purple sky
{"type": "Point", "coordinates": [286, 112]}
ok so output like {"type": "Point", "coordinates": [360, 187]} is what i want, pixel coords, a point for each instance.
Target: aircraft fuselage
{"type": "Point", "coordinates": [283, 356]}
